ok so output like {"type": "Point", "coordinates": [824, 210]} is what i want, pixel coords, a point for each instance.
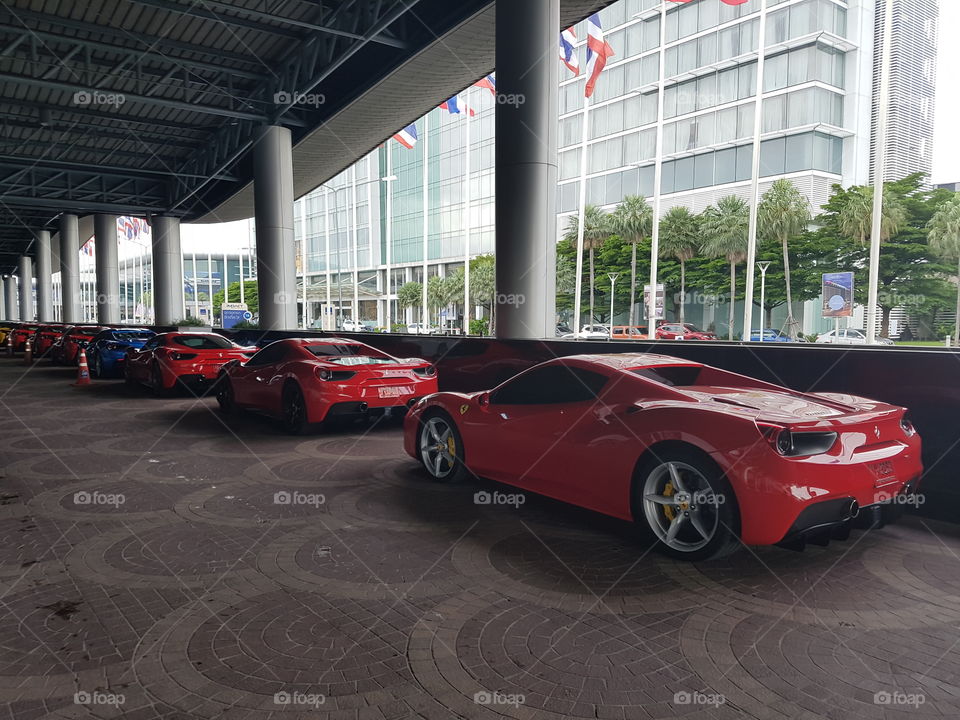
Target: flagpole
{"type": "Point", "coordinates": [389, 228]}
{"type": "Point", "coordinates": [355, 310]}
{"type": "Point", "coordinates": [466, 220]}
{"type": "Point", "coordinates": [424, 320]}
{"type": "Point", "coordinates": [879, 170]}
{"type": "Point", "coordinates": [755, 188]}
{"type": "Point", "coordinates": [303, 260]}
{"type": "Point", "coordinates": [326, 232]}
{"type": "Point", "coordinates": [657, 182]}
{"type": "Point", "coordinates": [581, 211]}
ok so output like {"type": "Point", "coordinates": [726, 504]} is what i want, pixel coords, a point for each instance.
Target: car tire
{"type": "Point", "coordinates": [293, 410]}
{"type": "Point", "coordinates": [156, 381]}
{"type": "Point", "coordinates": [682, 498]}
{"type": "Point", "coordinates": [225, 397]}
{"type": "Point", "coordinates": [440, 448]}
{"type": "Point", "coordinates": [96, 367]}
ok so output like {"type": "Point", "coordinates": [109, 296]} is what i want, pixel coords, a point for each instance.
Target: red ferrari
{"type": "Point", "coordinates": [683, 331]}
{"type": "Point", "coordinates": [20, 334]}
{"type": "Point", "coordinates": [66, 350]}
{"type": "Point", "coordinates": [45, 337]}
{"type": "Point", "coordinates": [302, 381]}
{"type": "Point", "coordinates": [706, 459]}
{"type": "Point", "coordinates": [190, 359]}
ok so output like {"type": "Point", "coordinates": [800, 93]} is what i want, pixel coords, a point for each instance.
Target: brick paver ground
{"type": "Point", "coordinates": [158, 560]}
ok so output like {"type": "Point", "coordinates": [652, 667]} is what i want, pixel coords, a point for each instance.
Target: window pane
{"type": "Point", "coordinates": [725, 164]}
{"type": "Point", "coordinates": [703, 170]}
{"type": "Point", "coordinates": [772, 157]}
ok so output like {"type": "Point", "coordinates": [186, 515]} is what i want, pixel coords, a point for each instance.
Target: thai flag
{"type": "Point", "coordinates": [408, 136]}
{"type": "Point", "coordinates": [452, 106]}
{"type": "Point", "coordinates": [489, 83]}
{"type": "Point", "coordinates": [598, 50]}
{"type": "Point", "coordinates": [87, 248]}
{"type": "Point", "coordinates": [568, 51]}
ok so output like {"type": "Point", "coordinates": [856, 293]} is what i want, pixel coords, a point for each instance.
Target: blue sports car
{"type": "Point", "coordinates": [770, 335]}
{"type": "Point", "coordinates": [108, 350]}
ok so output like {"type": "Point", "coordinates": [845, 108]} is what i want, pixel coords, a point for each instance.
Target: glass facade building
{"type": "Point", "coordinates": [401, 215]}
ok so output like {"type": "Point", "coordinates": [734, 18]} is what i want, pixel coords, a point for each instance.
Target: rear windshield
{"type": "Point", "coordinates": [672, 375]}
{"type": "Point", "coordinates": [346, 350]}
{"type": "Point", "coordinates": [131, 335]}
{"type": "Point", "coordinates": [202, 342]}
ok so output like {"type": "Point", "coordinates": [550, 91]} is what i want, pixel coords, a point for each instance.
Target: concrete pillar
{"type": "Point", "coordinates": [167, 271]}
{"type": "Point", "coordinates": [526, 168]}
{"type": "Point", "coordinates": [108, 270]}
{"type": "Point", "coordinates": [70, 268]}
{"type": "Point", "coordinates": [10, 290]}
{"type": "Point", "coordinates": [273, 208]}
{"type": "Point", "coordinates": [3, 297]}
{"type": "Point", "coordinates": [44, 280]}
{"type": "Point", "coordinates": [26, 288]}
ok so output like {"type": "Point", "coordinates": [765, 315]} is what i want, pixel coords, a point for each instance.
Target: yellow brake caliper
{"type": "Point", "coordinates": [667, 510]}
{"type": "Point", "coordinates": [451, 446]}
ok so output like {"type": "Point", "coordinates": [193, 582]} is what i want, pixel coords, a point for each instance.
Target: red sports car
{"type": "Point", "coordinates": [45, 337]}
{"type": "Point", "coordinates": [20, 334]}
{"type": "Point", "coordinates": [191, 359]}
{"type": "Point", "coordinates": [308, 380]}
{"type": "Point", "coordinates": [66, 350]}
{"type": "Point", "coordinates": [683, 331]}
{"type": "Point", "coordinates": [706, 459]}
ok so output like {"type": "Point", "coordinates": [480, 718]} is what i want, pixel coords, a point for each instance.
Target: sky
{"type": "Point", "coordinates": [946, 140]}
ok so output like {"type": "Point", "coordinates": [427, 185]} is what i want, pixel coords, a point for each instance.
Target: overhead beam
{"type": "Point", "coordinates": [198, 12]}
{"type": "Point", "coordinates": [81, 205]}
{"type": "Point", "coordinates": [105, 170]}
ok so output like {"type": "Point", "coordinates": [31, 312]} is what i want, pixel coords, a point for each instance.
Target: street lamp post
{"type": "Point", "coordinates": [763, 265]}
{"type": "Point", "coordinates": [613, 282]}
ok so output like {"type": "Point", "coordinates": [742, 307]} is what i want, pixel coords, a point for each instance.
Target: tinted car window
{"type": "Point", "coordinates": [202, 342]}
{"type": "Point", "coordinates": [130, 335]}
{"type": "Point", "coordinates": [550, 385]}
{"type": "Point", "coordinates": [343, 350]}
{"type": "Point", "coordinates": [152, 343]}
{"type": "Point", "coordinates": [274, 352]}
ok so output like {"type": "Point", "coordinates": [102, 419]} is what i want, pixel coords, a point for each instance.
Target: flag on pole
{"type": "Point", "coordinates": [568, 53]}
{"type": "Point", "coordinates": [489, 82]}
{"type": "Point", "coordinates": [453, 107]}
{"type": "Point", "coordinates": [408, 136]}
{"type": "Point", "coordinates": [87, 248]}
{"type": "Point", "coordinates": [598, 50]}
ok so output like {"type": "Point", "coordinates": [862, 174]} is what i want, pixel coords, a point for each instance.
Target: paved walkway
{"type": "Point", "coordinates": [159, 562]}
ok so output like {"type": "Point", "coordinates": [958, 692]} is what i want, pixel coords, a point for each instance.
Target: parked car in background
{"type": "Point", "coordinates": [704, 459]}
{"type": "Point", "coordinates": [591, 332]}
{"type": "Point", "coordinates": [45, 337]}
{"type": "Point", "coordinates": [628, 332]}
{"type": "Point", "coordinates": [685, 331]}
{"type": "Point", "coordinates": [190, 359]}
{"type": "Point", "coordinates": [769, 335]}
{"type": "Point", "coordinates": [20, 333]}
{"type": "Point", "coordinates": [303, 381]}
{"type": "Point", "coordinates": [350, 325]}
{"type": "Point", "coordinates": [107, 351]}
{"type": "Point", "coordinates": [422, 329]}
{"type": "Point", "coordinates": [850, 336]}
{"type": "Point", "coordinates": [66, 350]}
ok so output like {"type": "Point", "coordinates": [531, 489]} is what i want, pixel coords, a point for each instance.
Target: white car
{"type": "Point", "coordinates": [850, 336]}
{"type": "Point", "coordinates": [356, 326]}
{"type": "Point", "coordinates": [422, 329]}
{"type": "Point", "coordinates": [591, 332]}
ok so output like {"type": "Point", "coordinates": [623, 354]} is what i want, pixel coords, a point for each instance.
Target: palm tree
{"type": "Point", "coordinates": [680, 238]}
{"type": "Point", "coordinates": [410, 295]}
{"type": "Point", "coordinates": [725, 229]}
{"type": "Point", "coordinates": [944, 240]}
{"type": "Point", "coordinates": [783, 213]}
{"type": "Point", "coordinates": [856, 216]}
{"type": "Point", "coordinates": [632, 221]}
{"type": "Point", "coordinates": [596, 230]}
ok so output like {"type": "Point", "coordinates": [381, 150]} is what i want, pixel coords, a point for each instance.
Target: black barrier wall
{"type": "Point", "coordinates": [925, 380]}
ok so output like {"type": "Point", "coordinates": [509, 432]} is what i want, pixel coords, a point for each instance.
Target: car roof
{"type": "Point", "coordinates": [627, 361]}
{"type": "Point", "coordinates": [322, 341]}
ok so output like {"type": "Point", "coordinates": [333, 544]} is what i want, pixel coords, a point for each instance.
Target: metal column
{"type": "Point", "coordinates": [70, 268]}
{"type": "Point", "coordinates": [10, 290]}
{"type": "Point", "coordinates": [526, 168]}
{"type": "Point", "coordinates": [167, 271]}
{"type": "Point", "coordinates": [26, 288]}
{"type": "Point", "coordinates": [108, 270]}
{"type": "Point", "coordinates": [44, 277]}
{"type": "Point", "coordinates": [3, 297]}
{"type": "Point", "coordinates": [273, 208]}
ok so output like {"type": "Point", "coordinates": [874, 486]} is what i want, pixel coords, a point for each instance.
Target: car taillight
{"type": "Point", "coordinates": [906, 424]}
{"type": "Point", "coordinates": [330, 375]}
{"type": "Point", "coordinates": [789, 443]}
{"type": "Point", "coordinates": [182, 356]}
{"type": "Point", "coordinates": [428, 371]}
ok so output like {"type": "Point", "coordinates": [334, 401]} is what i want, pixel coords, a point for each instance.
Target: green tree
{"type": "Point", "coordinates": [483, 285]}
{"type": "Point", "coordinates": [596, 230]}
{"type": "Point", "coordinates": [784, 213]}
{"type": "Point", "coordinates": [251, 296]}
{"type": "Point", "coordinates": [944, 240]}
{"type": "Point", "coordinates": [632, 221]}
{"type": "Point", "coordinates": [725, 229]}
{"type": "Point", "coordinates": [680, 239]}
{"type": "Point", "coordinates": [440, 293]}
{"type": "Point", "coordinates": [856, 215]}
{"type": "Point", "coordinates": [410, 295]}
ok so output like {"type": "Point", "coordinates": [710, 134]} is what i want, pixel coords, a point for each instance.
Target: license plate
{"type": "Point", "coordinates": [883, 471]}
{"type": "Point", "coordinates": [396, 391]}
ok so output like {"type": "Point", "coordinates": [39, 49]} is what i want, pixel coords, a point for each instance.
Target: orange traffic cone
{"type": "Point", "coordinates": [83, 372]}
{"type": "Point", "coordinates": [28, 353]}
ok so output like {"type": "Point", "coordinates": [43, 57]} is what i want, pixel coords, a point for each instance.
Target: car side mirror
{"type": "Point", "coordinates": [483, 400]}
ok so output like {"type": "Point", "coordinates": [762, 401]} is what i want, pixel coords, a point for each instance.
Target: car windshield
{"type": "Point", "coordinates": [681, 375]}
{"type": "Point", "coordinates": [203, 342]}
